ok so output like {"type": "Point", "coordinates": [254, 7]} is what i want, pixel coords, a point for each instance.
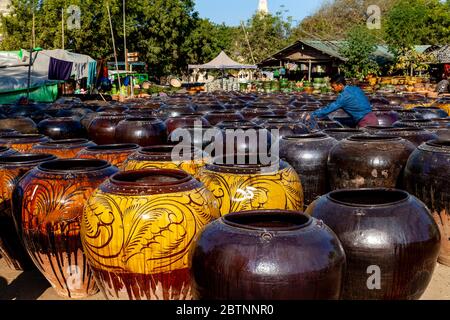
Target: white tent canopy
{"type": "Point", "coordinates": [222, 61]}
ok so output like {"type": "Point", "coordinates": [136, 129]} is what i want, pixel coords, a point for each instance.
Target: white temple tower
{"type": "Point", "coordinates": [263, 7]}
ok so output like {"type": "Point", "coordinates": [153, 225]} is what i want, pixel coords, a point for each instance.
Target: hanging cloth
{"type": "Point", "coordinates": [92, 73]}
{"type": "Point", "coordinates": [59, 69]}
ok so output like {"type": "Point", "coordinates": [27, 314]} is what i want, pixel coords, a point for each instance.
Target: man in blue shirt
{"type": "Point", "coordinates": [352, 100]}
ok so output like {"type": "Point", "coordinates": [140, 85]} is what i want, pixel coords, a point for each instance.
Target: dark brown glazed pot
{"type": "Point", "coordinates": [183, 120]}
{"type": "Point", "coordinates": [48, 203]}
{"type": "Point", "coordinates": [284, 128]}
{"type": "Point", "coordinates": [142, 131]}
{"type": "Point", "coordinates": [375, 129]}
{"type": "Point", "coordinates": [12, 168]}
{"type": "Point", "coordinates": [308, 155]}
{"type": "Point", "coordinates": [391, 242]}
{"type": "Point", "coordinates": [386, 116]}
{"type": "Point", "coordinates": [115, 154]}
{"type": "Point", "coordinates": [113, 109]}
{"type": "Point", "coordinates": [20, 124]}
{"type": "Point", "coordinates": [167, 111]}
{"type": "Point", "coordinates": [87, 119]}
{"type": "Point", "coordinates": [252, 112]}
{"type": "Point", "coordinates": [204, 108]}
{"type": "Point", "coordinates": [416, 136]}
{"type": "Point", "coordinates": [267, 118]}
{"type": "Point", "coordinates": [138, 228]}
{"type": "Point", "coordinates": [5, 152]}
{"type": "Point", "coordinates": [63, 149]}
{"type": "Point", "coordinates": [22, 142]}
{"type": "Point", "coordinates": [328, 124]}
{"type": "Point", "coordinates": [408, 115]}
{"type": "Point", "coordinates": [62, 128]}
{"type": "Point", "coordinates": [343, 133]}
{"type": "Point", "coordinates": [345, 121]}
{"type": "Point", "coordinates": [368, 162]}
{"type": "Point", "coordinates": [102, 129]}
{"type": "Point", "coordinates": [427, 176]}
{"type": "Point", "coordinates": [214, 117]}
{"type": "Point", "coordinates": [267, 255]}
{"type": "Point", "coordinates": [199, 137]}
{"type": "Point", "coordinates": [299, 114]}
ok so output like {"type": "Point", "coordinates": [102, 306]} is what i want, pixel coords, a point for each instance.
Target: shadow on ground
{"type": "Point", "coordinates": [27, 286]}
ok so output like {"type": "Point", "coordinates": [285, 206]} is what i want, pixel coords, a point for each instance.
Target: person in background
{"type": "Point", "coordinates": [352, 100]}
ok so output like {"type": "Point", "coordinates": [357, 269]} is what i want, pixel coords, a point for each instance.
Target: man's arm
{"type": "Point", "coordinates": [338, 104]}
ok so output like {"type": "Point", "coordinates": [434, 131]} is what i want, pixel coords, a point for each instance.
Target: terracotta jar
{"type": "Point", "coordinates": [87, 119]}
{"type": "Point", "coordinates": [142, 131]}
{"type": "Point", "coordinates": [267, 255]}
{"type": "Point", "coordinates": [252, 184]}
{"type": "Point", "coordinates": [63, 149]}
{"type": "Point", "coordinates": [138, 228]}
{"type": "Point", "coordinates": [308, 155]}
{"type": "Point", "coordinates": [20, 124]}
{"type": "Point", "coordinates": [62, 128]}
{"type": "Point", "coordinates": [368, 162]}
{"type": "Point", "coordinates": [183, 120]}
{"type": "Point", "coordinates": [214, 117]}
{"type": "Point", "coordinates": [113, 109]}
{"type": "Point", "coordinates": [115, 154]}
{"type": "Point", "coordinates": [391, 242]}
{"type": "Point", "coordinates": [22, 142]}
{"type": "Point", "coordinates": [48, 203]}
{"type": "Point", "coordinates": [343, 133]}
{"type": "Point", "coordinates": [102, 129]}
{"type": "Point", "coordinates": [12, 168]}
{"type": "Point", "coordinates": [186, 158]}
{"type": "Point", "coordinates": [427, 175]}
{"type": "Point", "coordinates": [416, 136]}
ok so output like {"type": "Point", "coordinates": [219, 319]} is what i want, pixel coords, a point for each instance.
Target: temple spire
{"type": "Point", "coordinates": [263, 7]}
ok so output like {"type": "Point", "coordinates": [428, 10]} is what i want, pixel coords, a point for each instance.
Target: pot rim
{"type": "Point", "coordinates": [21, 158]}
{"type": "Point", "coordinates": [90, 165]}
{"type": "Point", "coordinates": [113, 147]}
{"type": "Point", "coordinates": [439, 143]}
{"type": "Point", "coordinates": [406, 197]}
{"type": "Point", "coordinates": [267, 216]}
{"type": "Point", "coordinates": [343, 130]}
{"type": "Point", "coordinates": [64, 142]}
{"type": "Point", "coordinates": [306, 136]}
{"type": "Point", "coordinates": [372, 138]}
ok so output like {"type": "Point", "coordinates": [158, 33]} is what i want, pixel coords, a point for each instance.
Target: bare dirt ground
{"type": "Point", "coordinates": [33, 286]}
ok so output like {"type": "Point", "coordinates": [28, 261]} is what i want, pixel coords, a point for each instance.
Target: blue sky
{"type": "Point", "coordinates": [233, 11]}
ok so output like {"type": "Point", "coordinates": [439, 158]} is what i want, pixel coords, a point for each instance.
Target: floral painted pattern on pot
{"type": "Point", "coordinates": [63, 149]}
{"type": "Point", "coordinates": [161, 157]}
{"type": "Point", "coordinates": [12, 168]}
{"type": "Point", "coordinates": [253, 187]}
{"type": "Point", "coordinates": [48, 203]}
{"type": "Point", "coordinates": [22, 142]}
{"type": "Point", "coordinates": [137, 230]}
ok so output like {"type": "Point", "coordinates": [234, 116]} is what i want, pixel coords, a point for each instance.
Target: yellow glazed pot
{"type": "Point", "coordinates": [162, 157]}
{"type": "Point", "coordinates": [253, 187]}
{"type": "Point", "coordinates": [137, 230]}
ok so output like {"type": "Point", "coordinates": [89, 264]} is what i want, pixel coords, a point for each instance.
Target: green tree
{"type": "Point", "coordinates": [358, 49]}
{"type": "Point", "coordinates": [261, 36]}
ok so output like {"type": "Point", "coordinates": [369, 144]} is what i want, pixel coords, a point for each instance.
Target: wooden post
{"type": "Point", "coordinates": [309, 70]}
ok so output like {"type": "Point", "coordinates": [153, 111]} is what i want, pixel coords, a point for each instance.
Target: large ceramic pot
{"type": "Point", "coordinates": [179, 157]}
{"type": "Point", "coordinates": [8, 132]}
{"type": "Point", "coordinates": [202, 137]}
{"type": "Point", "coordinates": [102, 129]}
{"type": "Point", "coordinates": [390, 240]}
{"type": "Point", "coordinates": [368, 162]}
{"type": "Point", "coordinates": [22, 142]}
{"type": "Point", "coordinates": [5, 152]}
{"type": "Point", "coordinates": [282, 128]}
{"type": "Point", "coordinates": [427, 175]}
{"type": "Point", "coordinates": [267, 255]}
{"type": "Point", "coordinates": [48, 203]}
{"type": "Point", "coordinates": [142, 131]}
{"type": "Point", "coordinates": [416, 136]}
{"type": "Point", "coordinates": [20, 124]}
{"type": "Point", "coordinates": [308, 155]}
{"type": "Point", "coordinates": [214, 117]}
{"type": "Point", "coordinates": [252, 112]}
{"type": "Point", "coordinates": [63, 149]}
{"type": "Point", "coordinates": [252, 184]}
{"type": "Point", "coordinates": [167, 111]}
{"type": "Point", "coordinates": [205, 108]}
{"type": "Point", "coordinates": [409, 115]}
{"type": "Point", "coordinates": [62, 128]}
{"type": "Point", "coordinates": [12, 168]}
{"type": "Point", "coordinates": [343, 133]}
{"type": "Point", "coordinates": [184, 120]}
{"type": "Point", "coordinates": [115, 154]}
{"type": "Point", "coordinates": [138, 228]}
{"type": "Point", "coordinates": [386, 116]}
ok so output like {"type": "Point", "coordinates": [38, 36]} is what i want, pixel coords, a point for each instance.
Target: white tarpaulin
{"type": "Point", "coordinates": [15, 75]}
{"type": "Point", "coordinates": [222, 61]}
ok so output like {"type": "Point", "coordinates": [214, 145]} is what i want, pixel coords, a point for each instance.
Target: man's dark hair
{"type": "Point", "coordinates": [338, 79]}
